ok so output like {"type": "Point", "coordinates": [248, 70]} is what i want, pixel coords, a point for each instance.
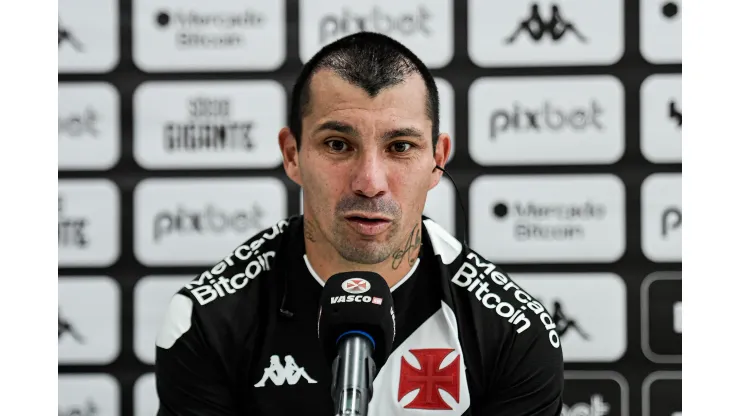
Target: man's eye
{"type": "Point", "coordinates": [401, 147]}
{"type": "Point", "coordinates": [336, 145]}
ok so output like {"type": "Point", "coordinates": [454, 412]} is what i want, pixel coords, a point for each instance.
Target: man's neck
{"type": "Point", "coordinates": [326, 262]}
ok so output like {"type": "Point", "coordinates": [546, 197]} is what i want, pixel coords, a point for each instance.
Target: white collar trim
{"type": "Point", "coordinates": [396, 286]}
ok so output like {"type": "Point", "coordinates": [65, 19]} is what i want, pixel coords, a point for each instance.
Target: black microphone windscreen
{"type": "Point", "coordinates": [357, 301]}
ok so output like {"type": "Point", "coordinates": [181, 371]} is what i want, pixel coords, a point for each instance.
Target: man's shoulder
{"type": "Point", "coordinates": [228, 288]}
{"type": "Point", "coordinates": [489, 292]}
{"type": "Point", "coordinates": [250, 263]}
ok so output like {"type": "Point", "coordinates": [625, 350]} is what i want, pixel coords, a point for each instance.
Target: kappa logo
{"type": "Point", "coordinates": [537, 27]}
{"type": "Point", "coordinates": [563, 323]}
{"type": "Point", "coordinates": [675, 113]}
{"type": "Point", "coordinates": [356, 286]}
{"type": "Point", "coordinates": [65, 36]}
{"type": "Point", "coordinates": [65, 327]}
{"type": "Point", "coordinates": [429, 379]}
{"type": "Point", "coordinates": [280, 374]}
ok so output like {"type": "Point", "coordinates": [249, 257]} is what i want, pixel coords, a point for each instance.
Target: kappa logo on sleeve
{"type": "Point", "coordinates": [291, 373]}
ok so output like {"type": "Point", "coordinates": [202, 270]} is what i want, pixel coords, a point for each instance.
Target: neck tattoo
{"type": "Point", "coordinates": [310, 228]}
{"type": "Point", "coordinates": [412, 244]}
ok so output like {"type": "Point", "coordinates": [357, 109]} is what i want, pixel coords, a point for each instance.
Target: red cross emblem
{"type": "Point", "coordinates": [429, 379]}
{"type": "Point", "coordinates": [356, 286]}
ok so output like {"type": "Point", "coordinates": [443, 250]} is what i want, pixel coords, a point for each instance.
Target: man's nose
{"type": "Point", "coordinates": [370, 176]}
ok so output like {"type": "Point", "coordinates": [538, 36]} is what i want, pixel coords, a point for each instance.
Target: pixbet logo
{"type": "Point", "coordinates": [79, 124]}
{"type": "Point", "coordinates": [597, 407]}
{"type": "Point", "coordinates": [670, 221]}
{"type": "Point", "coordinates": [207, 220]}
{"type": "Point", "coordinates": [87, 409]}
{"type": "Point", "coordinates": [356, 286]}
{"type": "Point", "coordinates": [334, 26]}
{"type": "Point", "coordinates": [546, 117]}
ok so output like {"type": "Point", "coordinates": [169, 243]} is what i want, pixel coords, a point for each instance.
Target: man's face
{"type": "Point", "coordinates": [366, 164]}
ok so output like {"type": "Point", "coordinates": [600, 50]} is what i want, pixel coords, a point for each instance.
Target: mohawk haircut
{"type": "Point", "coordinates": [369, 60]}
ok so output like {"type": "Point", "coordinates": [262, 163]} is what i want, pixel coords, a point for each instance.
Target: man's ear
{"type": "Point", "coordinates": [289, 149]}
{"type": "Point", "coordinates": [441, 155]}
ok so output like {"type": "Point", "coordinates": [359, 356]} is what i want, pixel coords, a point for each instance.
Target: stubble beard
{"type": "Point", "coordinates": [355, 249]}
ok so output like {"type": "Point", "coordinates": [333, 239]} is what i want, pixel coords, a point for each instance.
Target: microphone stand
{"type": "Point", "coordinates": [353, 372]}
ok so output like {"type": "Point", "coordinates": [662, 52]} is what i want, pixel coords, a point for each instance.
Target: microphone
{"type": "Point", "coordinates": [356, 330]}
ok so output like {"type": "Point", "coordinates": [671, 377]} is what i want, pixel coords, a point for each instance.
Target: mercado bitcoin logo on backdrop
{"type": "Point", "coordinates": [552, 218]}
{"type": "Point", "coordinates": [574, 32]}
{"type": "Point", "coordinates": [89, 320]}
{"type": "Point", "coordinates": [588, 310]}
{"type": "Point", "coordinates": [547, 120]}
{"type": "Point", "coordinates": [88, 45]}
{"type": "Point", "coordinates": [89, 126]}
{"type": "Point", "coordinates": [661, 118]}
{"type": "Point", "coordinates": [595, 393]}
{"type": "Point", "coordinates": [89, 395]}
{"type": "Point", "coordinates": [152, 295]}
{"type": "Point", "coordinates": [192, 222]}
{"type": "Point", "coordinates": [660, 200]}
{"type": "Point", "coordinates": [214, 35]}
{"type": "Point", "coordinates": [425, 27]}
{"type": "Point", "coordinates": [208, 124]}
{"type": "Point", "coordinates": [89, 223]}
{"type": "Point", "coordinates": [660, 31]}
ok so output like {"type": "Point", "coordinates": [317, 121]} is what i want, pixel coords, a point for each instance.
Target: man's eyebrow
{"type": "Point", "coordinates": [402, 132]}
{"type": "Point", "coordinates": [336, 126]}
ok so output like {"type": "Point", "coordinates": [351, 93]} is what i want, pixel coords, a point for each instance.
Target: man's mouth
{"type": "Point", "coordinates": [367, 219]}
{"type": "Point", "coordinates": [368, 225]}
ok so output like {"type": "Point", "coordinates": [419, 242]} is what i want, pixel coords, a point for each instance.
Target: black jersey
{"type": "Point", "coordinates": [241, 338]}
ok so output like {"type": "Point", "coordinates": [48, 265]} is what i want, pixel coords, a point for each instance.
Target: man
{"type": "Point", "coordinates": [364, 144]}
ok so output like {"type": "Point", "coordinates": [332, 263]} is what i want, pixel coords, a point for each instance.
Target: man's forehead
{"type": "Point", "coordinates": [330, 92]}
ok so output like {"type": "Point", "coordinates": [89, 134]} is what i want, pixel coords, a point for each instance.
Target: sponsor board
{"type": "Point", "coordinates": [88, 223]}
{"type": "Point", "coordinates": [208, 36]}
{"type": "Point", "coordinates": [193, 222]}
{"type": "Point", "coordinates": [514, 33]}
{"type": "Point", "coordinates": [560, 120]}
{"type": "Point", "coordinates": [660, 200]}
{"type": "Point", "coordinates": [425, 27]}
{"type": "Point", "coordinates": [208, 124]}
{"type": "Point", "coordinates": [88, 46]}
{"type": "Point", "coordinates": [152, 295]}
{"type": "Point", "coordinates": [89, 126]}
{"type": "Point", "coordinates": [88, 395]}
{"type": "Point", "coordinates": [589, 311]}
{"type": "Point", "coordinates": [89, 320]}
{"type": "Point", "coordinates": [548, 218]}
{"type": "Point", "coordinates": [660, 315]}
{"type": "Point", "coordinates": [660, 31]}
{"type": "Point", "coordinates": [662, 394]}
{"type": "Point", "coordinates": [661, 118]}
